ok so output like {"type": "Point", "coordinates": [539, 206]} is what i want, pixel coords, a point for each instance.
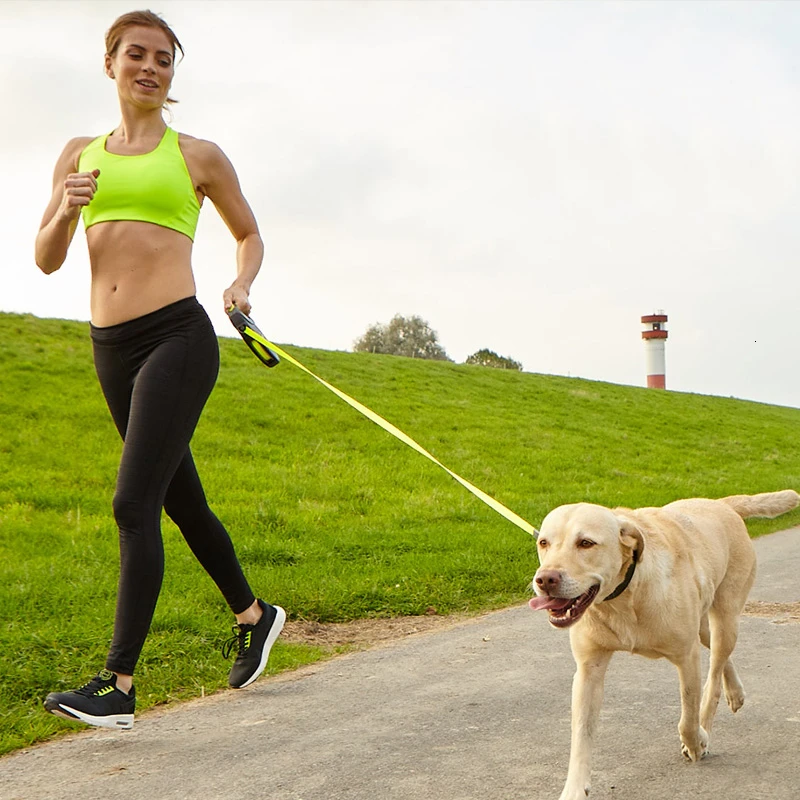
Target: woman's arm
{"type": "Point", "coordinates": [219, 182]}
{"type": "Point", "coordinates": [71, 191]}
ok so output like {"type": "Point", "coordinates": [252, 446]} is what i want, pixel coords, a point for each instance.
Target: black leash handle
{"type": "Point", "coordinates": [244, 324]}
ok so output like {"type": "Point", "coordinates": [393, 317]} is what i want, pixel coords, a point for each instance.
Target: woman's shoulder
{"type": "Point", "coordinates": [207, 163]}
{"type": "Point", "coordinates": [71, 153]}
{"type": "Point", "coordinates": [199, 148]}
{"type": "Point", "coordinates": [82, 141]}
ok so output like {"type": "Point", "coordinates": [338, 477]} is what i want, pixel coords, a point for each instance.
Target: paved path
{"type": "Point", "coordinates": [476, 712]}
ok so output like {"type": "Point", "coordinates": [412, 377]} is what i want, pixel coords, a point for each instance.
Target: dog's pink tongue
{"type": "Point", "coordinates": [555, 603]}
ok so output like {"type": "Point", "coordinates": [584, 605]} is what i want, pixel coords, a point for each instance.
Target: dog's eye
{"type": "Point", "coordinates": [586, 543]}
{"type": "Point", "coordinates": [542, 543]}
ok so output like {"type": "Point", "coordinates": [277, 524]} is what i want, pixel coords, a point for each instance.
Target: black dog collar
{"type": "Point", "coordinates": [628, 577]}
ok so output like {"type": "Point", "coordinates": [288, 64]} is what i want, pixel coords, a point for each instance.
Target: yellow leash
{"type": "Point", "coordinates": [253, 336]}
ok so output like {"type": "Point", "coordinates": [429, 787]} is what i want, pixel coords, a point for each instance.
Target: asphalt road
{"type": "Point", "coordinates": [476, 712]}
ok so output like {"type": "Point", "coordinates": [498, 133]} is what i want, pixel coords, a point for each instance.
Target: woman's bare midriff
{"type": "Point", "coordinates": [137, 267]}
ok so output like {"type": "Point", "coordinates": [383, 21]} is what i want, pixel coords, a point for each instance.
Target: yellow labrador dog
{"type": "Point", "coordinates": [657, 582]}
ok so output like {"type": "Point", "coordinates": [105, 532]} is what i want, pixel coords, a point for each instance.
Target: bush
{"type": "Point", "coordinates": [488, 358]}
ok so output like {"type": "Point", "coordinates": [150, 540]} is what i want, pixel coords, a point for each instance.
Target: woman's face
{"type": "Point", "coordinates": [142, 66]}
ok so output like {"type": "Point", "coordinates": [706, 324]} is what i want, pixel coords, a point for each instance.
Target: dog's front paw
{"type": "Point", "coordinates": [697, 749]}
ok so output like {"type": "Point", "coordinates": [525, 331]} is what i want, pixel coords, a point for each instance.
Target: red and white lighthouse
{"type": "Point", "coordinates": [654, 334]}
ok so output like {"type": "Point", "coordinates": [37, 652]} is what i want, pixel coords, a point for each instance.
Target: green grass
{"type": "Point", "coordinates": [332, 517]}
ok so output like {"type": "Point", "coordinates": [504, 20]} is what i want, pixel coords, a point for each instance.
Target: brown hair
{"type": "Point", "coordinates": [146, 19]}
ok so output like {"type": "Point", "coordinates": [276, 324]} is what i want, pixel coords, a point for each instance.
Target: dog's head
{"type": "Point", "coordinates": [584, 551]}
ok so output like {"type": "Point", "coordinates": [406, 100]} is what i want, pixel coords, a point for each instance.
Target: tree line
{"type": "Point", "coordinates": [413, 337]}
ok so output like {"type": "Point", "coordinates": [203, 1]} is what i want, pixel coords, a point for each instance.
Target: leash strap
{"type": "Point", "coordinates": [253, 333]}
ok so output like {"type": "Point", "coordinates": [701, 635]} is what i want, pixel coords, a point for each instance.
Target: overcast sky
{"type": "Point", "coordinates": [529, 177]}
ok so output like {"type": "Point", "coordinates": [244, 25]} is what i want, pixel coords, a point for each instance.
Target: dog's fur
{"type": "Point", "coordinates": [694, 567]}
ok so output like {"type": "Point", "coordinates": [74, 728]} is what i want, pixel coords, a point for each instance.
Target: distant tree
{"type": "Point", "coordinates": [403, 336]}
{"type": "Point", "coordinates": [488, 358]}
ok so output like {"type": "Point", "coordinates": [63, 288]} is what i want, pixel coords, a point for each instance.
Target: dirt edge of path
{"type": "Point", "coordinates": [363, 633]}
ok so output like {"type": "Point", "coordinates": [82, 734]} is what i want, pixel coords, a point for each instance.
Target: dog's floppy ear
{"type": "Point", "coordinates": [631, 536]}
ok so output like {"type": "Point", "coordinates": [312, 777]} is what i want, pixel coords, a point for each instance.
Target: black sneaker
{"type": "Point", "coordinates": [99, 703]}
{"type": "Point", "coordinates": [254, 643]}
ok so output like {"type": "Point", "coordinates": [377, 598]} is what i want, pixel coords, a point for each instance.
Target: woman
{"type": "Point", "coordinates": [139, 190]}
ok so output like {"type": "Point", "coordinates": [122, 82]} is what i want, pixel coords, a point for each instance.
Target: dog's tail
{"type": "Point", "coordinates": [768, 504]}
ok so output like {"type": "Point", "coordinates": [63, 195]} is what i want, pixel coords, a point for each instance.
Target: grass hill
{"type": "Point", "coordinates": [333, 518]}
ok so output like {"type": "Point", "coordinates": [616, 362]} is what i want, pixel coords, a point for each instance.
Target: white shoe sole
{"type": "Point", "coordinates": [120, 722]}
{"type": "Point", "coordinates": [277, 627]}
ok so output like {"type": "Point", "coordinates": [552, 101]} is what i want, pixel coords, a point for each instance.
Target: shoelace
{"type": "Point", "coordinates": [241, 639]}
{"type": "Point", "coordinates": [94, 685]}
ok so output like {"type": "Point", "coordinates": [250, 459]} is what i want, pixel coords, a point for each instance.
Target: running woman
{"type": "Point", "coordinates": [139, 190]}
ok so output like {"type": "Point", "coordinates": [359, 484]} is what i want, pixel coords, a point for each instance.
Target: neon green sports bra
{"type": "Point", "coordinates": [152, 187]}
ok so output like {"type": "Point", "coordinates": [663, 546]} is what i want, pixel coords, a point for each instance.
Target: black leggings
{"type": "Point", "coordinates": [157, 372]}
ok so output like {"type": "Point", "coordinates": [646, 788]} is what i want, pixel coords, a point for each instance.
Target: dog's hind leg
{"type": "Point", "coordinates": [731, 683]}
{"type": "Point", "coordinates": [724, 629]}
